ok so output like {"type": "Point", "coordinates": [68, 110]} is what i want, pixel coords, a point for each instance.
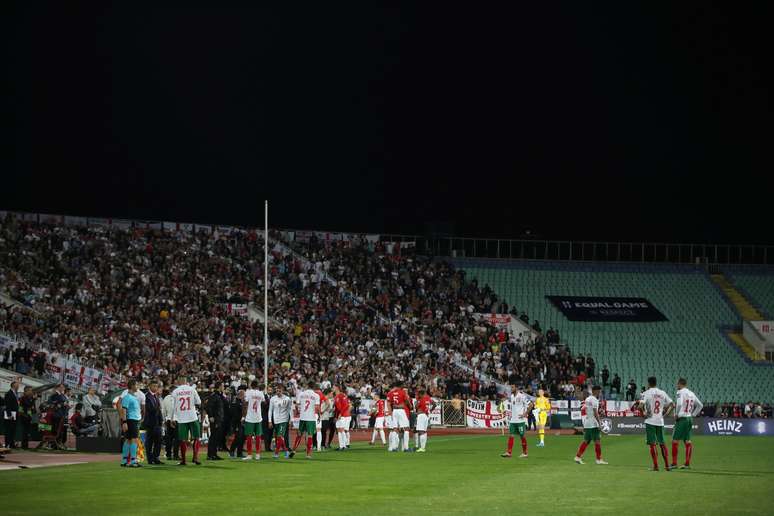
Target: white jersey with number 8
{"type": "Point", "coordinates": [253, 398]}
{"type": "Point", "coordinates": [307, 401]}
{"type": "Point", "coordinates": [186, 398]}
{"type": "Point", "coordinates": [655, 401]}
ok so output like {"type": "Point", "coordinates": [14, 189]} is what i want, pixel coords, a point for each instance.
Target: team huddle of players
{"type": "Point", "coordinates": [391, 413]}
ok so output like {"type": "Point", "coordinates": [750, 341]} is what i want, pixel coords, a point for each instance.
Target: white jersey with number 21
{"type": "Point", "coordinates": [186, 398]}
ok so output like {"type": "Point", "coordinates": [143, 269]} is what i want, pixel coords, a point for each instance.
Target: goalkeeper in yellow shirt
{"type": "Point", "coordinates": [543, 408]}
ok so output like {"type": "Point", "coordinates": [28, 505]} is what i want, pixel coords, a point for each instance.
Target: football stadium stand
{"type": "Point", "coordinates": [693, 342]}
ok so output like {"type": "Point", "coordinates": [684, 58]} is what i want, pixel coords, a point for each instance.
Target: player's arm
{"type": "Point", "coordinates": [244, 410]}
{"type": "Point", "coordinates": [697, 406]}
{"type": "Point", "coordinates": [596, 415]}
{"type": "Point", "coordinates": [172, 420]}
{"type": "Point", "coordinates": [122, 414]}
{"type": "Point", "coordinates": [271, 413]}
{"type": "Point", "coordinates": [530, 406]}
{"type": "Point", "coordinates": [387, 407]}
{"type": "Point", "coordinates": [670, 405]}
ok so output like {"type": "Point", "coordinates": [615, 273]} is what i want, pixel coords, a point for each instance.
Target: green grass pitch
{"type": "Point", "coordinates": [458, 474]}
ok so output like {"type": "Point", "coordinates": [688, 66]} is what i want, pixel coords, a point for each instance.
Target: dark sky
{"type": "Point", "coordinates": [624, 122]}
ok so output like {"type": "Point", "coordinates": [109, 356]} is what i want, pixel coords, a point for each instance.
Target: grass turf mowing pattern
{"type": "Point", "coordinates": [458, 474]}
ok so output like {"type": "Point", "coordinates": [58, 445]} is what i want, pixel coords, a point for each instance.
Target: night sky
{"type": "Point", "coordinates": [621, 122]}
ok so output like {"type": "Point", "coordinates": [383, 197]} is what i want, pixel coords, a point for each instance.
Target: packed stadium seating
{"type": "Point", "coordinates": [154, 304]}
{"type": "Point", "coordinates": [689, 344]}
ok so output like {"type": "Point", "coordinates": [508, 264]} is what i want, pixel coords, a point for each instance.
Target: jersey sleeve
{"type": "Point", "coordinates": [197, 399]}
{"type": "Point", "coordinates": [697, 406]}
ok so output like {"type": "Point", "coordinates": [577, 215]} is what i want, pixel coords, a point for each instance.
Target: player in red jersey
{"type": "Point", "coordinates": [343, 416]}
{"type": "Point", "coordinates": [378, 412]}
{"type": "Point", "coordinates": [399, 407]}
{"type": "Point", "coordinates": [424, 405]}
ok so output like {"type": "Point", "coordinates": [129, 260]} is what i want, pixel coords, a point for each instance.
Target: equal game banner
{"type": "Point", "coordinates": [607, 309]}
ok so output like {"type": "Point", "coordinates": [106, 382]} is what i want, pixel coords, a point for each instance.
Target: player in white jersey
{"type": "Point", "coordinates": [521, 404]}
{"type": "Point", "coordinates": [186, 419]}
{"type": "Point", "coordinates": [590, 412]}
{"type": "Point", "coordinates": [280, 407]}
{"type": "Point", "coordinates": [687, 406]}
{"type": "Point", "coordinates": [655, 404]}
{"type": "Point", "coordinates": [252, 419]}
{"type": "Point", "coordinates": [308, 403]}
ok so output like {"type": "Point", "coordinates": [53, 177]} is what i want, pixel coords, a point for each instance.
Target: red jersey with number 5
{"type": "Point", "coordinates": [398, 399]}
{"type": "Point", "coordinates": [342, 404]}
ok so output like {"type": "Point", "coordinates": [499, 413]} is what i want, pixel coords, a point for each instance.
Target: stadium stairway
{"type": "Point", "coordinates": [746, 310]}
{"type": "Point", "coordinates": [738, 300]}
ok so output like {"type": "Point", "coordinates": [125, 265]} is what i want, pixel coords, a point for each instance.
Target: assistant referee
{"type": "Point", "coordinates": [131, 414]}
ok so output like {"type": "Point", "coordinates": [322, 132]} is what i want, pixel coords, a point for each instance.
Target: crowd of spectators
{"type": "Point", "coordinates": [145, 304]}
{"type": "Point", "coordinates": [152, 304]}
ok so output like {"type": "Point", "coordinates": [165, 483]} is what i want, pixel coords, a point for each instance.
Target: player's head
{"type": "Point", "coordinates": [396, 385]}
{"type": "Point", "coordinates": [254, 384]}
{"type": "Point", "coordinates": [682, 383]}
{"type": "Point", "coordinates": [541, 393]}
{"type": "Point", "coordinates": [182, 380]}
{"type": "Point", "coordinates": [421, 391]}
{"type": "Point", "coordinates": [78, 407]}
{"type": "Point", "coordinates": [375, 395]}
{"type": "Point", "coordinates": [652, 381]}
{"type": "Point", "coordinates": [279, 389]}
{"type": "Point", "coordinates": [595, 390]}
{"type": "Point", "coordinates": [514, 388]}
{"type": "Point", "coordinates": [131, 385]}
{"type": "Point", "coordinates": [311, 384]}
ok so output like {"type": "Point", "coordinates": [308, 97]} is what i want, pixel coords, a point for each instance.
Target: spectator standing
{"type": "Point", "coordinates": [11, 415]}
{"type": "Point", "coordinates": [616, 384]}
{"type": "Point", "coordinates": [153, 422]}
{"type": "Point", "coordinates": [91, 405]}
{"type": "Point", "coordinates": [605, 376]}
{"type": "Point", "coordinates": [26, 411]}
{"type": "Point", "coordinates": [61, 407]}
{"type": "Point", "coordinates": [631, 390]}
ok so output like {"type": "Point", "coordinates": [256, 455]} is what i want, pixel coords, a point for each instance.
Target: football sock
{"type": "Point", "coordinates": [406, 439]}
{"type": "Point", "coordinates": [665, 454]}
{"type": "Point", "coordinates": [297, 442]}
{"type": "Point", "coordinates": [394, 440]}
{"type": "Point", "coordinates": [342, 440]}
{"type": "Point", "coordinates": [347, 437]}
{"type": "Point", "coordinates": [183, 449]}
{"type": "Point", "coordinates": [510, 445]}
{"type": "Point", "coordinates": [373, 435]}
{"type": "Point", "coordinates": [688, 453]}
{"type": "Point", "coordinates": [125, 453]}
{"type": "Point", "coordinates": [249, 439]}
{"type": "Point", "coordinates": [524, 445]}
{"type": "Point", "coordinates": [654, 456]}
{"type": "Point", "coordinates": [133, 452]}
{"type": "Point", "coordinates": [280, 444]}
{"type": "Point", "coordinates": [675, 447]}
{"type": "Point", "coordinates": [598, 450]}
{"type": "Point", "coordinates": [319, 441]}
{"type": "Point", "coordinates": [582, 449]}
{"type": "Point", "coordinates": [416, 440]}
{"type": "Point", "coordinates": [196, 449]}
{"type": "Point", "coordinates": [381, 435]}
{"type": "Point", "coordinates": [423, 441]}
{"type": "Point", "coordinates": [542, 434]}
{"type": "Point", "coordinates": [257, 445]}
{"type": "Point", "coordinates": [309, 442]}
